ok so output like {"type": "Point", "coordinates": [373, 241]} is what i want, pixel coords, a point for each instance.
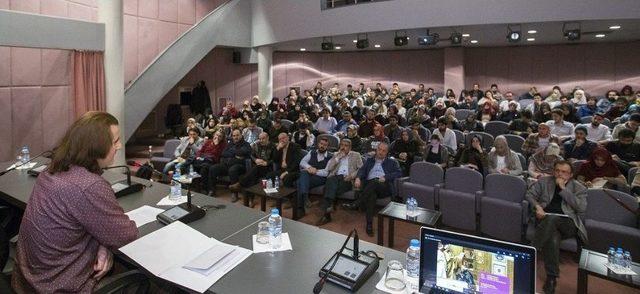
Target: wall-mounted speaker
{"type": "Point", "coordinates": [236, 57]}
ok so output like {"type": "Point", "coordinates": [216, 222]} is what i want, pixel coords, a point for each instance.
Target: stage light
{"type": "Point", "coordinates": [362, 41]}
{"type": "Point", "coordinates": [456, 38]}
{"type": "Point", "coordinates": [400, 41]}
{"type": "Point", "coordinates": [377, 45]}
{"type": "Point", "coordinates": [531, 39]}
{"type": "Point", "coordinates": [429, 39]}
{"type": "Point", "coordinates": [327, 44]}
{"type": "Point", "coordinates": [572, 35]}
{"type": "Point", "coordinates": [466, 35]}
{"type": "Point", "coordinates": [338, 47]}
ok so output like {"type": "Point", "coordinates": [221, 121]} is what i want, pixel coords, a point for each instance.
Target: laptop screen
{"type": "Point", "coordinates": [458, 263]}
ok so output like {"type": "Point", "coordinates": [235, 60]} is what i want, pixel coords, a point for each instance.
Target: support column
{"type": "Point", "coordinates": [265, 73]}
{"type": "Point", "coordinates": [454, 69]}
{"type": "Point", "coordinates": [110, 13]}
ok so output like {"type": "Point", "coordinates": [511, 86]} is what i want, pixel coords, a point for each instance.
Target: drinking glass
{"type": "Point", "coordinates": [395, 276]}
{"type": "Point", "coordinates": [263, 233]}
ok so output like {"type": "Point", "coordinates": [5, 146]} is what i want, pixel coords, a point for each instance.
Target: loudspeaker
{"type": "Point", "coordinates": [236, 56]}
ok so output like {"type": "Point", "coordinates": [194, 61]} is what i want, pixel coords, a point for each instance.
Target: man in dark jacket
{"type": "Point", "coordinates": [376, 179]}
{"type": "Point", "coordinates": [313, 172]}
{"type": "Point", "coordinates": [232, 161]}
{"type": "Point", "coordinates": [287, 160]}
{"type": "Point", "coordinates": [262, 154]}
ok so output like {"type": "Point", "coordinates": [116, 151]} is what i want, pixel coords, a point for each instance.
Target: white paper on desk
{"type": "Point", "coordinates": [144, 215]}
{"type": "Point", "coordinates": [259, 248]}
{"type": "Point", "coordinates": [165, 252]}
{"type": "Point", "coordinates": [598, 184]}
{"type": "Point", "coordinates": [168, 202]}
{"type": "Point", "coordinates": [29, 165]}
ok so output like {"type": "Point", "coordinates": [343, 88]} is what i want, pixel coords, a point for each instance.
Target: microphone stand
{"type": "Point", "coordinates": [130, 188]}
{"type": "Point", "coordinates": [2, 173]}
{"type": "Point", "coordinates": [194, 211]}
{"type": "Point", "coordinates": [320, 284]}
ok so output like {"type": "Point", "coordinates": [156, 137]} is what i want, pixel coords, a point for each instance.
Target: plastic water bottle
{"type": "Point", "coordinates": [627, 259]}
{"type": "Point", "coordinates": [276, 183]}
{"type": "Point", "coordinates": [413, 258]}
{"type": "Point", "coordinates": [25, 154]}
{"type": "Point", "coordinates": [192, 172]}
{"type": "Point", "coordinates": [619, 258]}
{"type": "Point", "coordinates": [411, 206]}
{"type": "Point", "coordinates": [611, 256]}
{"type": "Point", "coordinates": [275, 229]}
{"type": "Point", "coordinates": [176, 187]}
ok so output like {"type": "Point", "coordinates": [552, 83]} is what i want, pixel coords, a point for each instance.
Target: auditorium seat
{"type": "Point", "coordinates": [160, 161]}
{"type": "Point", "coordinates": [462, 114]}
{"type": "Point", "coordinates": [458, 198]}
{"type": "Point", "coordinates": [487, 139]}
{"type": "Point", "coordinates": [503, 210]}
{"type": "Point", "coordinates": [421, 184]}
{"type": "Point", "coordinates": [496, 128]}
{"type": "Point", "coordinates": [334, 142]}
{"type": "Point", "coordinates": [515, 143]}
{"type": "Point", "coordinates": [609, 223]}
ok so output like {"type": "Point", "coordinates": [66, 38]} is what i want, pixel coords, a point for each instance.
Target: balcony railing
{"type": "Point", "coordinates": [328, 4]}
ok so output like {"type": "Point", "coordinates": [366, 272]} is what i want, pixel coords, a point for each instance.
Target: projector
{"type": "Point", "coordinates": [428, 40]}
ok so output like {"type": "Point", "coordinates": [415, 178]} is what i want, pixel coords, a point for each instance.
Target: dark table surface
{"type": "Point", "coordinates": [293, 271]}
{"type": "Point", "coordinates": [594, 263]}
{"type": "Point", "coordinates": [397, 210]}
{"type": "Point", "coordinates": [283, 192]}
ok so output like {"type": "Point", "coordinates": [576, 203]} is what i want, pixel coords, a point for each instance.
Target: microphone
{"type": "Point", "coordinates": [123, 188]}
{"type": "Point", "coordinates": [356, 245]}
{"type": "Point", "coordinates": [320, 284]}
{"type": "Point", "coordinates": [2, 173]}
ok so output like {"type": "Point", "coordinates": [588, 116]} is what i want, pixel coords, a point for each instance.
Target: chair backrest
{"type": "Point", "coordinates": [462, 114]}
{"type": "Point", "coordinates": [487, 139]}
{"type": "Point", "coordinates": [334, 142]}
{"type": "Point", "coordinates": [505, 187]}
{"type": "Point", "coordinates": [427, 134]}
{"type": "Point", "coordinates": [496, 128]}
{"type": "Point", "coordinates": [426, 173]}
{"type": "Point", "coordinates": [607, 122]}
{"type": "Point", "coordinates": [459, 137]}
{"type": "Point", "coordinates": [170, 146]}
{"type": "Point", "coordinates": [523, 161]}
{"type": "Point", "coordinates": [586, 119]}
{"type": "Point", "coordinates": [463, 180]}
{"type": "Point", "coordinates": [515, 142]}
{"type": "Point", "coordinates": [525, 102]}
{"type": "Point", "coordinates": [601, 207]}
{"type": "Point", "coordinates": [632, 174]}
{"type": "Point", "coordinates": [576, 165]}
{"type": "Point", "coordinates": [286, 123]}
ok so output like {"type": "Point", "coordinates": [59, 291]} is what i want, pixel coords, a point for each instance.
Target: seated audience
{"type": "Point", "coordinates": [313, 173]}
{"type": "Point", "coordinates": [356, 141]}
{"type": "Point", "coordinates": [538, 141]}
{"type": "Point", "coordinates": [325, 124]}
{"type": "Point", "coordinates": [502, 160]}
{"type": "Point", "coordinates": [287, 161]}
{"type": "Point", "coordinates": [588, 109]}
{"type": "Point", "coordinates": [369, 147]}
{"type": "Point", "coordinates": [376, 179]}
{"type": "Point", "coordinates": [580, 147]}
{"type": "Point", "coordinates": [601, 171]}
{"type": "Point", "coordinates": [64, 243]}
{"type": "Point", "coordinates": [342, 170]}
{"type": "Point", "coordinates": [617, 109]}
{"type": "Point", "coordinates": [262, 155]}
{"type": "Point", "coordinates": [633, 124]}
{"type": "Point", "coordinates": [251, 132]}
{"type": "Point", "coordinates": [303, 136]}
{"type": "Point", "coordinates": [232, 163]}
{"type": "Point", "coordinates": [596, 131]}
{"type": "Point", "coordinates": [473, 156]}
{"type": "Point", "coordinates": [559, 204]}
{"type": "Point", "coordinates": [542, 162]}
{"type": "Point", "coordinates": [558, 126]}
{"type": "Point", "coordinates": [605, 104]}
{"type": "Point", "coordinates": [276, 129]}
{"type": "Point", "coordinates": [470, 124]}
{"type": "Point", "coordinates": [506, 103]}
{"type": "Point", "coordinates": [366, 126]}
{"type": "Point", "coordinates": [523, 126]}
{"type": "Point", "coordinates": [543, 113]}
{"type": "Point", "coordinates": [392, 130]}
{"type": "Point", "coordinates": [447, 135]}
{"type": "Point", "coordinates": [625, 151]}
{"type": "Point", "coordinates": [211, 127]}
{"type": "Point", "coordinates": [209, 154]}
{"type": "Point", "coordinates": [436, 153]}
{"type": "Point", "coordinates": [405, 149]}
{"type": "Point", "coordinates": [191, 124]}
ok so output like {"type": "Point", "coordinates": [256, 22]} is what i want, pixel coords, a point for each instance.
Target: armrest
{"type": "Point", "coordinates": [436, 194]}
{"type": "Point", "coordinates": [479, 195]}
{"type": "Point", "coordinates": [157, 154]}
{"type": "Point", "coordinates": [121, 282]}
{"type": "Point", "coordinates": [399, 182]}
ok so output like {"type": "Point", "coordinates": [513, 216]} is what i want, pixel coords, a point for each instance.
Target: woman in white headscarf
{"type": "Point", "coordinates": [579, 98]}
{"type": "Point", "coordinates": [503, 160]}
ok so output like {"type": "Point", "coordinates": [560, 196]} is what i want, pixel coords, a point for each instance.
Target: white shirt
{"type": "Point", "coordinates": [599, 133]}
{"type": "Point", "coordinates": [343, 169]}
{"type": "Point", "coordinates": [504, 105]}
{"type": "Point", "coordinates": [501, 162]}
{"type": "Point", "coordinates": [448, 139]}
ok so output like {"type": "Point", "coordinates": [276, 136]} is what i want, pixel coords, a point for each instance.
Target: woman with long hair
{"type": "Point", "coordinates": [601, 171]}
{"type": "Point", "coordinates": [73, 222]}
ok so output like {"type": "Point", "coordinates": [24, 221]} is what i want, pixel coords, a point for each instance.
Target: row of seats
{"type": "Point", "coordinates": [496, 207]}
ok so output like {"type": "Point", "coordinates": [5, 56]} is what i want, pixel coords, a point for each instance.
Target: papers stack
{"type": "Point", "coordinates": [144, 215]}
{"type": "Point", "coordinates": [184, 256]}
{"type": "Point", "coordinates": [167, 201]}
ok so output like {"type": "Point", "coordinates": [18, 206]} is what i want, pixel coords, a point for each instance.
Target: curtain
{"type": "Point", "coordinates": [88, 76]}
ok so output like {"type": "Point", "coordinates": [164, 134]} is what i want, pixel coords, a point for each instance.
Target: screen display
{"type": "Point", "coordinates": [347, 268]}
{"type": "Point", "coordinates": [175, 213]}
{"type": "Point", "coordinates": [457, 263]}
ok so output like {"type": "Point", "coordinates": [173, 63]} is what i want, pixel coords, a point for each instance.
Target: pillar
{"type": "Point", "coordinates": [111, 14]}
{"type": "Point", "coordinates": [454, 69]}
{"type": "Point", "coordinates": [265, 73]}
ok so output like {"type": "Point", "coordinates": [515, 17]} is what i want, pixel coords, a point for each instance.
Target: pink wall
{"type": "Point", "coordinates": [597, 67]}
{"type": "Point", "coordinates": [36, 91]}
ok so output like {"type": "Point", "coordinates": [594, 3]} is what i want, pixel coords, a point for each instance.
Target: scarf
{"type": "Point", "coordinates": [591, 171]}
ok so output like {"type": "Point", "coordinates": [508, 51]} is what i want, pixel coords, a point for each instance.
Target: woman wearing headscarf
{"type": "Point", "coordinates": [473, 156]}
{"type": "Point", "coordinates": [601, 169]}
{"type": "Point", "coordinates": [275, 105]}
{"type": "Point", "coordinates": [435, 152]}
{"type": "Point", "coordinates": [541, 163]}
{"type": "Point", "coordinates": [405, 149]}
{"type": "Point", "coordinates": [503, 160]}
{"type": "Point", "coordinates": [369, 147]}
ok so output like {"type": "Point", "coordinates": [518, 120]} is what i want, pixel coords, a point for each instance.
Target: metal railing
{"type": "Point", "coordinates": [328, 4]}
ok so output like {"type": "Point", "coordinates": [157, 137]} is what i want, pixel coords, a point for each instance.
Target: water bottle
{"type": "Point", "coordinates": [411, 206]}
{"type": "Point", "coordinates": [275, 229]}
{"type": "Point", "coordinates": [192, 172]}
{"type": "Point", "coordinates": [627, 259]}
{"type": "Point", "coordinates": [611, 256]}
{"type": "Point", "coordinates": [176, 187]}
{"type": "Point", "coordinates": [25, 154]}
{"type": "Point", "coordinates": [276, 183]}
{"type": "Point", "coordinates": [619, 259]}
{"type": "Point", "coordinates": [413, 258]}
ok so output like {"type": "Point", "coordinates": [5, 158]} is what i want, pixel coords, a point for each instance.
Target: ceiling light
{"type": "Point", "coordinates": [338, 47]}
{"type": "Point", "coordinates": [466, 35]}
{"type": "Point", "coordinates": [303, 49]}
{"type": "Point", "coordinates": [513, 36]}
{"type": "Point", "coordinates": [456, 38]}
{"type": "Point", "coordinates": [616, 27]}
{"type": "Point", "coordinates": [355, 41]}
{"type": "Point", "coordinates": [376, 45]}
{"type": "Point", "coordinates": [474, 41]}
{"type": "Point", "coordinates": [531, 39]}
{"type": "Point", "coordinates": [600, 35]}
{"type": "Point", "coordinates": [532, 31]}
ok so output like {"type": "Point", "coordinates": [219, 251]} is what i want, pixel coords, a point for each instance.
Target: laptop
{"type": "Point", "coordinates": [458, 263]}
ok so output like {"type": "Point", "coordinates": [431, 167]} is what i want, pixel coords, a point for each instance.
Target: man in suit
{"type": "Point", "coordinates": [342, 170]}
{"type": "Point", "coordinates": [376, 178]}
{"type": "Point", "coordinates": [287, 160]}
{"type": "Point", "coordinates": [559, 203]}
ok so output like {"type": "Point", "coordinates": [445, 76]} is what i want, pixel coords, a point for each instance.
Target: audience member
{"type": "Point", "coordinates": [537, 141]}
{"type": "Point", "coordinates": [447, 135]}
{"type": "Point", "coordinates": [558, 126]}
{"type": "Point", "coordinates": [287, 161]}
{"type": "Point", "coordinates": [405, 149]}
{"type": "Point", "coordinates": [313, 173]}
{"type": "Point", "coordinates": [251, 132]}
{"type": "Point", "coordinates": [232, 163]}
{"type": "Point", "coordinates": [369, 147]}
{"type": "Point", "coordinates": [601, 171]}
{"type": "Point", "coordinates": [541, 164]}
{"type": "Point", "coordinates": [523, 126]}
{"type": "Point", "coordinates": [503, 160]}
{"type": "Point", "coordinates": [262, 156]}
{"type": "Point", "coordinates": [185, 152]}
{"type": "Point", "coordinates": [633, 124]}
{"type": "Point", "coordinates": [596, 131]}
{"type": "Point", "coordinates": [580, 147]}
{"type": "Point", "coordinates": [472, 156]}
{"type": "Point", "coordinates": [625, 151]}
